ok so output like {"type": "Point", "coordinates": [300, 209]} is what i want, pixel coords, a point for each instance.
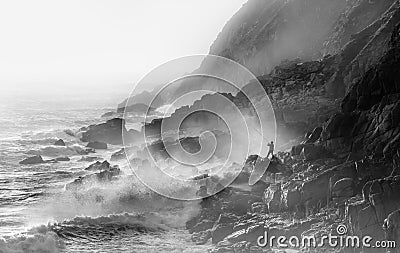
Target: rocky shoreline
{"type": "Point", "coordinates": [321, 194]}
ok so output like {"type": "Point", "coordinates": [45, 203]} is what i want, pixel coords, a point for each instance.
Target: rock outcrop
{"type": "Point", "coordinates": [369, 121]}
{"type": "Point", "coordinates": [110, 132]}
{"type": "Point", "coordinates": [59, 142]}
{"type": "Point", "coordinates": [32, 160]}
{"type": "Point", "coordinates": [106, 173]}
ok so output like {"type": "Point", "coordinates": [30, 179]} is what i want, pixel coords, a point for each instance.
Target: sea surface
{"type": "Point", "coordinates": [37, 214]}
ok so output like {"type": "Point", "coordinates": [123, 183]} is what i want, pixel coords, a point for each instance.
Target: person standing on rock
{"type": "Point", "coordinates": [271, 149]}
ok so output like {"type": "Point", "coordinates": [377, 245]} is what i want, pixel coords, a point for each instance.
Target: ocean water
{"type": "Point", "coordinates": [37, 214]}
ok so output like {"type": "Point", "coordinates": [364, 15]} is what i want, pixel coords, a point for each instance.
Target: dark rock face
{"type": "Point", "coordinates": [109, 132]}
{"type": "Point", "coordinates": [368, 217]}
{"type": "Point", "coordinates": [33, 160]}
{"type": "Point", "coordinates": [342, 172]}
{"type": "Point", "coordinates": [263, 33]}
{"type": "Point", "coordinates": [59, 142]}
{"type": "Point", "coordinates": [369, 122]}
{"type": "Point", "coordinates": [118, 155]}
{"type": "Point", "coordinates": [97, 145]}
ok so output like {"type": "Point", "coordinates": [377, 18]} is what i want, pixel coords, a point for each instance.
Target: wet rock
{"type": "Point", "coordinates": [314, 135]}
{"type": "Point", "coordinates": [97, 145]}
{"type": "Point", "coordinates": [98, 166]}
{"type": "Point", "coordinates": [33, 160]}
{"type": "Point", "coordinates": [392, 228]}
{"type": "Point", "coordinates": [59, 142]}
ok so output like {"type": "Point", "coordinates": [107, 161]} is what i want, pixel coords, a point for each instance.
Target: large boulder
{"type": "Point", "coordinates": [33, 160]}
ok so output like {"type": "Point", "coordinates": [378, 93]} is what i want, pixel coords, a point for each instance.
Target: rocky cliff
{"type": "Point", "coordinates": [263, 33]}
{"type": "Point", "coordinates": [346, 172]}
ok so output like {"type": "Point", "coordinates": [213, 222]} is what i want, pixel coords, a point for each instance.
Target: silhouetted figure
{"type": "Point", "coordinates": [271, 149]}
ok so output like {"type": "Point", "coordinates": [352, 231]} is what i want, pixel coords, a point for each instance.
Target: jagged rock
{"type": "Point", "coordinates": [223, 227]}
{"type": "Point", "coordinates": [110, 132]}
{"type": "Point", "coordinates": [69, 132]}
{"type": "Point", "coordinates": [98, 166]}
{"type": "Point", "coordinates": [343, 189]}
{"type": "Point", "coordinates": [118, 155]}
{"type": "Point", "coordinates": [392, 228]}
{"type": "Point", "coordinates": [249, 234]}
{"type": "Point", "coordinates": [59, 142]}
{"type": "Point", "coordinates": [241, 203]}
{"type": "Point", "coordinates": [201, 237]}
{"type": "Point", "coordinates": [369, 120]}
{"type": "Point", "coordinates": [85, 151]}
{"type": "Point", "coordinates": [97, 145]}
{"type": "Point", "coordinates": [314, 135]}
{"type": "Point", "coordinates": [87, 181]}
{"type": "Point", "coordinates": [292, 198]}
{"type": "Point", "coordinates": [273, 198]}
{"type": "Point", "coordinates": [313, 152]}
{"type": "Point", "coordinates": [33, 160]}
{"type": "Point", "coordinates": [367, 217]}
{"type": "Point", "coordinates": [220, 231]}
{"type": "Point", "coordinates": [108, 114]}
{"type": "Point", "coordinates": [202, 226]}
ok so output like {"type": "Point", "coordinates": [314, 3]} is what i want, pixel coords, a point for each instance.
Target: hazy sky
{"type": "Point", "coordinates": [76, 43]}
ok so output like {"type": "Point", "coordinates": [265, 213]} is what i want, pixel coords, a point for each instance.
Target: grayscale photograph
{"type": "Point", "coordinates": [200, 126]}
